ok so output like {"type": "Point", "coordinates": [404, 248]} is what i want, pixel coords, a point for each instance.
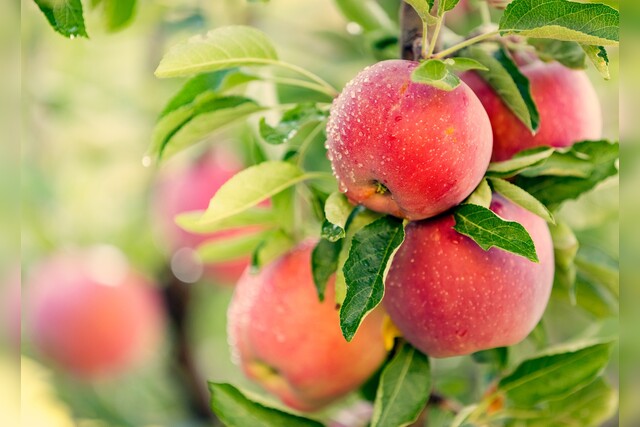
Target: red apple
{"type": "Point", "coordinates": [289, 342]}
{"type": "Point", "coordinates": [92, 316]}
{"type": "Point", "coordinates": [189, 188]}
{"type": "Point", "coordinates": [567, 103]}
{"type": "Point", "coordinates": [449, 297]}
{"type": "Point", "coordinates": [404, 148]}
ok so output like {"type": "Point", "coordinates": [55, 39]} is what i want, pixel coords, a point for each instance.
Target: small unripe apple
{"type": "Point", "coordinates": [290, 343]}
{"type": "Point", "coordinates": [449, 297]}
{"type": "Point", "coordinates": [188, 188]}
{"type": "Point", "coordinates": [568, 106]}
{"type": "Point", "coordinates": [405, 148]}
{"type": "Point", "coordinates": [91, 316]}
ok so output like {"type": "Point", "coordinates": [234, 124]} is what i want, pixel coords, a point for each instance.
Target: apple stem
{"type": "Point", "coordinates": [434, 36]}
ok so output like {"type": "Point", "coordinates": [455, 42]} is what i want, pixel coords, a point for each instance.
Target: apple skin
{"type": "Point", "coordinates": [190, 188]}
{"type": "Point", "coordinates": [92, 323]}
{"type": "Point", "coordinates": [289, 342]}
{"type": "Point", "coordinates": [567, 103]}
{"type": "Point", "coordinates": [449, 297]}
{"type": "Point", "coordinates": [430, 148]}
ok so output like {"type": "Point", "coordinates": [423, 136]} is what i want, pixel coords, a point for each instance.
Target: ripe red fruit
{"type": "Point", "coordinates": [449, 297]}
{"type": "Point", "coordinates": [189, 188]}
{"type": "Point", "coordinates": [405, 148]}
{"type": "Point", "coordinates": [91, 316]}
{"type": "Point", "coordinates": [289, 342]}
{"type": "Point", "coordinates": [567, 103]}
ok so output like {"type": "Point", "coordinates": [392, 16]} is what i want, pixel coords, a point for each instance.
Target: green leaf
{"type": "Point", "coordinates": [489, 230]}
{"type": "Point", "coordinates": [565, 247]}
{"type": "Point", "coordinates": [521, 161]}
{"type": "Point", "coordinates": [585, 23]}
{"type": "Point", "coordinates": [599, 267]}
{"type": "Point", "coordinates": [520, 197]}
{"type": "Point", "coordinates": [599, 58]}
{"type": "Point", "coordinates": [324, 263]}
{"type": "Point", "coordinates": [449, 4]}
{"type": "Point", "coordinates": [190, 221]}
{"type": "Point", "coordinates": [290, 123]}
{"type": "Point", "coordinates": [191, 123]}
{"type": "Point", "coordinates": [588, 407]}
{"type": "Point", "coordinates": [569, 54]}
{"type": "Point", "coordinates": [222, 48]}
{"type": "Point", "coordinates": [235, 410]}
{"type": "Point", "coordinates": [464, 64]}
{"type": "Point", "coordinates": [337, 210]}
{"type": "Point", "coordinates": [118, 13]}
{"type": "Point", "coordinates": [359, 218]}
{"type": "Point", "coordinates": [507, 81]}
{"type": "Point", "coordinates": [565, 244]}
{"type": "Point", "coordinates": [274, 245]}
{"type": "Point", "coordinates": [495, 356]}
{"type": "Point", "coordinates": [250, 187]}
{"type": "Point", "coordinates": [403, 390]}
{"type": "Point", "coordinates": [563, 162]}
{"type": "Point", "coordinates": [332, 232]}
{"type": "Point", "coordinates": [434, 72]}
{"type": "Point", "coordinates": [595, 299]}
{"type": "Point", "coordinates": [553, 190]}
{"type": "Point", "coordinates": [366, 13]}
{"type": "Point", "coordinates": [227, 249]}
{"type": "Point", "coordinates": [64, 16]}
{"type": "Point", "coordinates": [215, 83]}
{"type": "Point", "coordinates": [370, 257]}
{"type": "Point", "coordinates": [481, 196]}
{"type": "Point", "coordinates": [556, 373]}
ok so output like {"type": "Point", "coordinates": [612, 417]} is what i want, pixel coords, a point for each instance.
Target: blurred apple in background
{"type": "Point", "coordinates": [91, 315]}
{"type": "Point", "coordinates": [190, 187]}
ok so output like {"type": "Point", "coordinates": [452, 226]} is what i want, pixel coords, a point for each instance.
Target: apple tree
{"type": "Point", "coordinates": [407, 235]}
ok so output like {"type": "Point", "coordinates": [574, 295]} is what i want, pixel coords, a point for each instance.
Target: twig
{"type": "Point", "coordinates": [177, 297]}
{"type": "Point", "coordinates": [410, 33]}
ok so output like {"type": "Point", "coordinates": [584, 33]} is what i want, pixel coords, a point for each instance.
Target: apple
{"type": "Point", "coordinates": [190, 187]}
{"type": "Point", "coordinates": [404, 148]}
{"type": "Point", "coordinates": [449, 297]}
{"type": "Point", "coordinates": [567, 104]}
{"type": "Point", "coordinates": [90, 315]}
{"type": "Point", "coordinates": [289, 342]}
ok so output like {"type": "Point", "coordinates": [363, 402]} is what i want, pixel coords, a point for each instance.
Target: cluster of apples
{"type": "Point", "coordinates": [396, 147]}
{"type": "Point", "coordinates": [413, 151]}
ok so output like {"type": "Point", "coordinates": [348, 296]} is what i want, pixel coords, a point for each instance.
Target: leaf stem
{"type": "Point", "coordinates": [425, 41]}
{"type": "Point", "coordinates": [298, 83]}
{"type": "Point", "coordinates": [465, 43]}
{"type": "Point", "coordinates": [329, 89]}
